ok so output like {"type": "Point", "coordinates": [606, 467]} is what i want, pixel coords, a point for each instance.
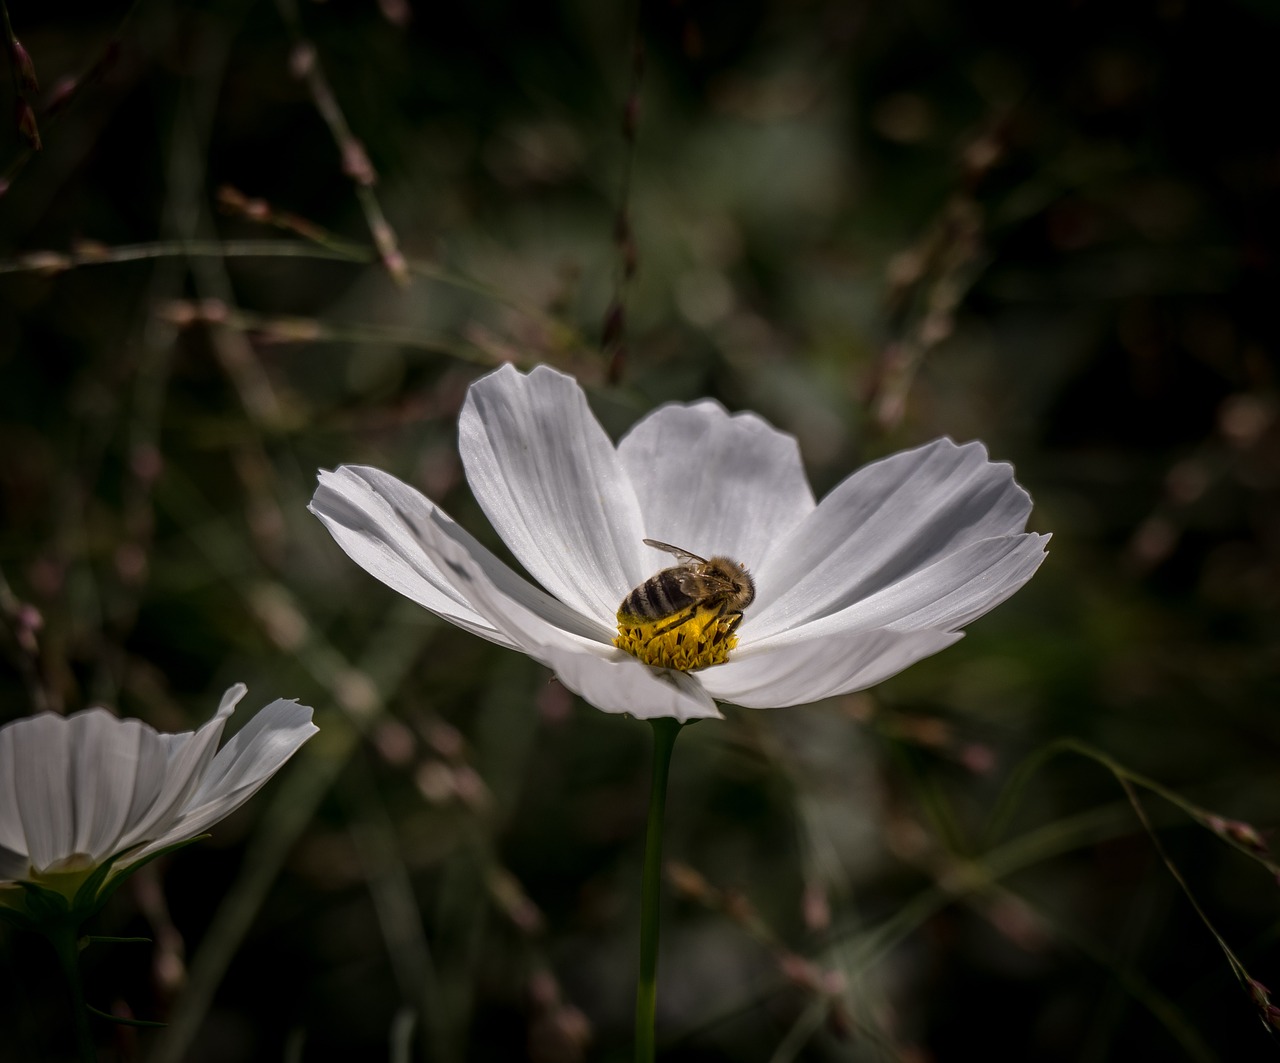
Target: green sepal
{"type": "Point", "coordinates": [86, 899]}
{"type": "Point", "coordinates": [113, 884]}
{"type": "Point", "coordinates": [43, 908]}
{"type": "Point", "coordinates": [44, 905]}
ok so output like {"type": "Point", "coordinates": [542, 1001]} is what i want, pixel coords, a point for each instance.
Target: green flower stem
{"type": "Point", "coordinates": [63, 937]}
{"type": "Point", "coordinates": [664, 740]}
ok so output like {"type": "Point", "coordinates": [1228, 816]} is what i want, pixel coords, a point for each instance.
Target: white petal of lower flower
{"type": "Point", "coordinates": [12, 836]}
{"type": "Point", "coordinates": [946, 595]}
{"type": "Point", "coordinates": [592, 668]}
{"type": "Point", "coordinates": [384, 524]}
{"type": "Point", "coordinates": [822, 667]}
{"type": "Point", "coordinates": [239, 770]}
{"type": "Point", "coordinates": [254, 753]}
{"type": "Point", "coordinates": [187, 757]}
{"type": "Point", "coordinates": [714, 483]}
{"type": "Point", "coordinates": [75, 790]}
{"type": "Point", "coordinates": [44, 783]}
{"type": "Point", "coordinates": [884, 522]}
{"type": "Point", "coordinates": [106, 756]}
{"type": "Point", "coordinates": [551, 483]}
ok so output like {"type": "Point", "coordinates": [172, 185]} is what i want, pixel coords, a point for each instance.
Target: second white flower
{"type": "Point", "coordinates": [886, 570]}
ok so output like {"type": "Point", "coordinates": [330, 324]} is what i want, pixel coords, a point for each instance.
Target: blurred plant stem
{"type": "Point", "coordinates": [63, 938]}
{"type": "Point", "coordinates": [664, 739]}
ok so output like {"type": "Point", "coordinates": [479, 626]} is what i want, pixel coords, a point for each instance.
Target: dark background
{"type": "Point", "coordinates": [1049, 226]}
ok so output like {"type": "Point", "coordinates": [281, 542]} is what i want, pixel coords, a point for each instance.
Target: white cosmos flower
{"type": "Point", "coordinates": [78, 790]}
{"type": "Point", "coordinates": [885, 571]}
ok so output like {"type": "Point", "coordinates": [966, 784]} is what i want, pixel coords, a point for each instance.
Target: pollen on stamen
{"type": "Point", "coordinates": [704, 639]}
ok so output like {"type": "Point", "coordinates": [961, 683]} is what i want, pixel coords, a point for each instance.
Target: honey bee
{"type": "Point", "coordinates": [676, 593]}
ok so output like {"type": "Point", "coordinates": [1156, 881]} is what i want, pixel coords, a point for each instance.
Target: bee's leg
{"type": "Point", "coordinates": [673, 622]}
{"type": "Point", "coordinates": [733, 624]}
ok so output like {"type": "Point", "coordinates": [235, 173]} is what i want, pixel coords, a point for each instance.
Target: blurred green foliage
{"type": "Point", "coordinates": [1052, 227]}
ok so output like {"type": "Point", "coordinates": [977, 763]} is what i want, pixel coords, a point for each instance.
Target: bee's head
{"type": "Point", "coordinates": [737, 575]}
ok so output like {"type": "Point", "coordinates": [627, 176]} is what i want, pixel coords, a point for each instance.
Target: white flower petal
{"type": "Point", "coordinates": [185, 760]}
{"type": "Point", "coordinates": [946, 595]}
{"type": "Point", "coordinates": [623, 684]}
{"type": "Point", "coordinates": [517, 617]}
{"type": "Point", "coordinates": [551, 483]}
{"type": "Point", "coordinates": [714, 484]}
{"type": "Point", "coordinates": [383, 524]}
{"type": "Point", "coordinates": [256, 752]}
{"type": "Point", "coordinates": [77, 790]}
{"type": "Point", "coordinates": [106, 759]}
{"type": "Point", "coordinates": [883, 523]}
{"type": "Point", "coordinates": [962, 587]}
{"type": "Point", "coordinates": [605, 676]}
{"type": "Point", "coordinates": [239, 770]}
{"type": "Point", "coordinates": [371, 522]}
{"type": "Point", "coordinates": [43, 784]}
{"type": "Point", "coordinates": [12, 836]}
{"type": "Point", "coordinates": [801, 672]}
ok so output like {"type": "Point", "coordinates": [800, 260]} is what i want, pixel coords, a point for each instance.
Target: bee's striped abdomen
{"type": "Point", "coordinates": [658, 596]}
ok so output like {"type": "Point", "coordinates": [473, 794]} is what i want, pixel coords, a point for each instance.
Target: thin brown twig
{"type": "Point", "coordinates": [928, 282]}
{"type": "Point", "coordinates": [16, 51]}
{"type": "Point", "coordinates": [252, 208]}
{"type": "Point", "coordinates": [65, 91]}
{"type": "Point", "coordinates": [285, 329]}
{"type": "Point", "coordinates": [1259, 994]}
{"type": "Point", "coordinates": [23, 72]}
{"type": "Point", "coordinates": [305, 65]}
{"type": "Point", "coordinates": [91, 253]}
{"type": "Point", "coordinates": [1237, 968]}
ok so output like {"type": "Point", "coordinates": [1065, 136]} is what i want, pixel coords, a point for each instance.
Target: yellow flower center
{"type": "Point", "coordinates": [689, 640]}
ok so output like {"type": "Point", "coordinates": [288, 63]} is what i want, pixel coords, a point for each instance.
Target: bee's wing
{"type": "Point", "coordinates": [698, 582]}
{"type": "Point", "coordinates": [688, 557]}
